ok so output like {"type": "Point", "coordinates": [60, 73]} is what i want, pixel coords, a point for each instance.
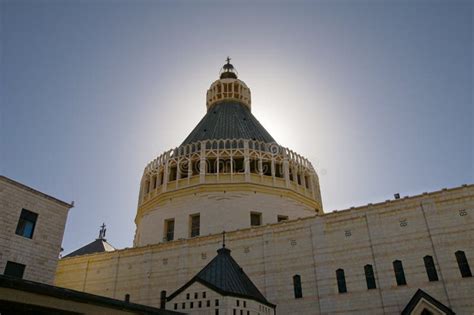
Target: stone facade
{"type": "Point", "coordinates": [436, 224]}
{"type": "Point", "coordinates": [40, 253]}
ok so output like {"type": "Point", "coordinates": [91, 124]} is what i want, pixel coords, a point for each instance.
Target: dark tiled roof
{"type": "Point", "coordinates": [81, 297]}
{"type": "Point", "coordinates": [420, 294]}
{"type": "Point", "coordinates": [229, 120]}
{"type": "Point", "coordinates": [224, 275]}
{"type": "Point", "coordinates": [97, 246]}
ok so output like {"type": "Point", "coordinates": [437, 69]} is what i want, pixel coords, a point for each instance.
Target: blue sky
{"type": "Point", "coordinates": [377, 94]}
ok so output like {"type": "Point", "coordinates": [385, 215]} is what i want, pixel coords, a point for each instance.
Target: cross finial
{"type": "Point", "coordinates": [228, 60]}
{"type": "Point", "coordinates": [223, 239]}
{"type": "Point", "coordinates": [102, 231]}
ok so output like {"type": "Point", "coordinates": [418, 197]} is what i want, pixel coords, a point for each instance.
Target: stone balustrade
{"type": "Point", "coordinates": [229, 161]}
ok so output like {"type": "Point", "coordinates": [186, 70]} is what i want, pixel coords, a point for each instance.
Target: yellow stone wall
{"type": "Point", "coordinates": [436, 224]}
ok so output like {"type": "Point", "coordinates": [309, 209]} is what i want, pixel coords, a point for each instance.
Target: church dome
{"type": "Point", "coordinates": [229, 173]}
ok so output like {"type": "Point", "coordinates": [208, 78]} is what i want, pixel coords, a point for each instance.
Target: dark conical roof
{"type": "Point", "coordinates": [229, 120]}
{"type": "Point", "coordinates": [97, 246]}
{"type": "Point", "coordinates": [224, 275]}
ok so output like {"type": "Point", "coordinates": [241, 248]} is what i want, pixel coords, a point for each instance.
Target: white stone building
{"type": "Point", "coordinates": [31, 231]}
{"type": "Point", "coordinates": [411, 255]}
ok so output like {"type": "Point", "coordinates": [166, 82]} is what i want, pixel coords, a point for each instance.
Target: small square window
{"type": "Point", "coordinates": [255, 219]}
{"type": "Point", "coordinates": [14, 269]}
{"type": "Point", "coordinates": [26, 224]}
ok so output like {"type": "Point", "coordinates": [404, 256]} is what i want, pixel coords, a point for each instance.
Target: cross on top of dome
{"type": "Point", "coordinates": [228, 71]}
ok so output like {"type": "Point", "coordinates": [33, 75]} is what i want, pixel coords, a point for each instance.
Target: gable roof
{"type": "Point", "coordinates": [420, 294]}
{"type": "Point", "coordinates": [229, 120]}
{"type": "Point", "coordinates": [224, 275]}
{"type": "Point", "coordinates": [98, 246]}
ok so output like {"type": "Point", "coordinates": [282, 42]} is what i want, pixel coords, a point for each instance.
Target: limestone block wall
{"type": "Point", "coordinates": [436, 224]}
{"type": "Point", "coordinates": [219, 211]}
{"type": "Point", "coordinates": [39, 254]}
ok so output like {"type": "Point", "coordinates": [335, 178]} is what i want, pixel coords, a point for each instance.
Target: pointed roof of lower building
{"type": "Point", "coordinates": [98, 246]}
{"type": "Point", "coordinates": [224, 275]}
{"type": "Point", "coordinates": [418, 298]}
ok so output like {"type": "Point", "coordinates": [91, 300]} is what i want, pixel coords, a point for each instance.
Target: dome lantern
{"type": "Point", "coordinates": [228, 71]}
{"type": "Point", "coordinates": [228, 88]}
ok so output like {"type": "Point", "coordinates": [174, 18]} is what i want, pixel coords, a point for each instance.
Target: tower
{"type": "Point", "coordinates": [228, 174]}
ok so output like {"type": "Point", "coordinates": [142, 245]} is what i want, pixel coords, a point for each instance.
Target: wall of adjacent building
{"type": "Point", "coordinates": [436, 224]}
{"type": "Point", "coordinates": [39, 254]}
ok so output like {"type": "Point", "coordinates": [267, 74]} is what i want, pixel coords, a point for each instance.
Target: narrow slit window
{"type": "Point", "coordinates": [399, 272]}
{"type": "Point", "coordinates": [463, 264]}
{"type": "Point", "coordinates": [370, 277]}
{"type": "Point", "coordinates": [297, 286]}
{"type": "Point", "coordinates": [341, 281]}
{"type": "Point", "coordinates": [430, 268]}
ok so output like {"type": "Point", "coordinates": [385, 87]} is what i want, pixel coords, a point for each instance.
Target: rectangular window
{"type": "Point", "coordinates": [217, 302]}
{"type": "Point", "coordinates": [255, 219]}
{"type": "Point", "coordinates": [282, 218]}
{"type": "Point", "coordinates": [14, 269]}
{"type": "Point", "coordinates": [26, 224]}
{"type": "Point", "coordinates": [195, 223]}
{"type": "Point", "coordinates": [169, 230]}
{"type": "Point", "coordinates": [216, 312]}
{"type": "Point", "coordinates": [175, 306]}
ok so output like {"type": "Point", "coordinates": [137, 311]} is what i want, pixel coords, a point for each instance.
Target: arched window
{"type": "Point", "coordinates": [341, 281]}
{"type": "Point", "coordinates": [463, 264]}
{"type": "Point", "coordinates": [430, 268]}
{"type": "Point", "coordinates": [370, 277]}
{"type": "Point", "coordinates": [297, 286]}
{"type": "Point", "coordinates": [399, 273]}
